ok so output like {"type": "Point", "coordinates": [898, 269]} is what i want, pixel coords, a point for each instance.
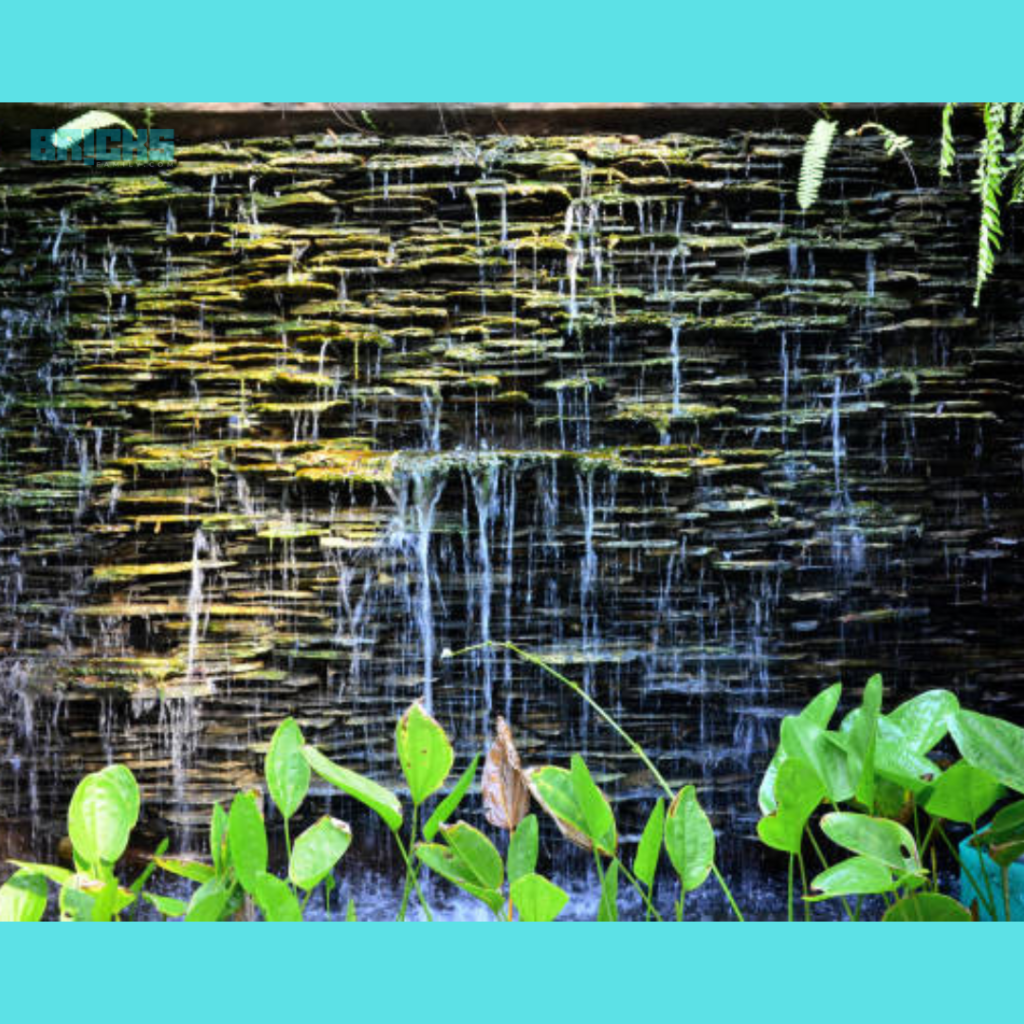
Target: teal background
{"type": "Point", "coordinates": [455, 51]}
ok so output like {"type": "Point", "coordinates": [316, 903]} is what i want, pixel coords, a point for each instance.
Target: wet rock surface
{"type": "Point", "coordinates": [285, 420]}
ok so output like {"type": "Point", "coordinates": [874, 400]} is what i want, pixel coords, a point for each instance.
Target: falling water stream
{"type": "Point", "coordinates": [281, 423]}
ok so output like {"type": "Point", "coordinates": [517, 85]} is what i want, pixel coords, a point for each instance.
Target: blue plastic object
{"type": "Point", "coordinates": [976, 865]}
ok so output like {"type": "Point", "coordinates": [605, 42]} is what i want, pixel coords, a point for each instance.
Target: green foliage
{"type": "Point", "coordinates": [812, 166]}
{"type": "Point", "coordinates": [287, 771]}
{"type": "Point", "coordinates": [424, 752]}
{"type": "Point", "coordinates": [92, 120]}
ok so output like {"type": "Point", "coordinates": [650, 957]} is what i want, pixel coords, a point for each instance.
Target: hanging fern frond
{"type": "Point", "coordinates": [92, 120]}
{"type": "Point", "coordinates": [947, 156]}
{"type": "Point", "coordinates": [893, 143]}
{"type": "Point", "coordinates": [812, 167]}
{"type": "Point", "coordinates": [988, 185]}
{"type": "Point", "coordinates": [1016, 116]}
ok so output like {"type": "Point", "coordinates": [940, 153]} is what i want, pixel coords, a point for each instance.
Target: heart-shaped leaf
{"type": "Point", "coordinates": [553, 789]}
{"type": "Point", "coordinates": [102, 814]}
{"type": "Point", "coordinates": [879, 839]}
{"type": "Point", "coordinates": [927, 906]}
{"type": "Point", "coordinates": [424, 752]}
{"type": "Point", "coordinates": [798, 791]}
{"type": "Point", "coordinates": [963, 793]}
{"type": "Point", "coordinates": [537, 899]}
{"type": "Point", "coordinates": [689, 839]}
{"type": "Point", "coordinates": [923, 720]}
{"type": "Point", "coordinates": [855, 876]}
{"type": "Point", "coordinates": [991, 744]}
{"type": "Point", "coordinates": [286, 769]}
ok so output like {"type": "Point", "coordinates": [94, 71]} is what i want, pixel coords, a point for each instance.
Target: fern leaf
{"type": "Point", "coordinates": [92, 120]}
{"type": "Point", "coordinates": [988, 184]}
{"type": "Point", "coordinates": [947, 156]}
{"type": "Point", "coordinates": [812, 167]}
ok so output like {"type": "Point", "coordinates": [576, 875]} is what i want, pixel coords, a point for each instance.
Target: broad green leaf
{"type": "Point", "coordinates": [819, 711]}
{"type": "Point", "coordinates": [991, 744]}
{"type": "Point", "coordinates": [209, 901]}
{"type": "Point", "coordinates": [963, 793]}
{"type": "Point", "coordinates": [927, 906]}
{"type": "Point", "coordinates": [821, 751]}
{"type": "Point", "coordinates": [23, 896]}
{"type": "Point", "coordinates": [194, 870]}
{"type": "Point", "coordinates": [923, 719]}
{"type": "Point", "coordinates": [447, 807]}
{"type": "Point", "coordinates": [83, 898]}
{"type": "Point", "coordinates": [862, 737]}
{"type": "Point", "coordinates": [424, 752]}
{"type": "Point", "coordinates": [381, 801]}
{"type": "Point", "coordinates": [876, 838]}
{"type": "Point", "coordinates": [645, 863]}
{"type": "Point", "coordinates": [125, 781]}
{"type": "Point", "coordinates": [443, 860]}
{"type": "Point", "coordinates": [608, 906]}
{"type": "Point", "coordinates": [219, 840]}
{"type": "Point", "coordinates": [166, 905]}
{"type": "Point", "coordinates": [897, 762]}
{"type": "Point", "coordinates": [275, 899]}
{"type": "Point", "coordinates": [91, 121]}
{"type": "Point", "coordinates": [61, 876]}
{"type": "Point", "coordinates": [247, 840]}
{"type": "Point", "coordinates": [477, 852]}
{"type": "Point", "coordinates": [317, 850]}
{"type": "Point", "coordinates": [101, 815]}
{"type": "Point", "coordinates": [1009, 821]}
{"type": "Point", "coordinates": [522, 849]}
{"type": "Point", "coordinates": [689, 839]}
{"type": "Point", "coordinates": [286, 769]}
{"type": "Point", "coordinates": [856, 876]}
{"type": "Point", "coordinates": [597, 812]}
{"type": "Point", "coordinates": [798, 791]}
{"type": "Point", "coordinates": [553, 789]}
{"type": "Point", "coordinates": [537, 899]}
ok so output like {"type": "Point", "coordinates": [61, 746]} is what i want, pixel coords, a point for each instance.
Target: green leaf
{"type": "Point", "coordinates": [523, 848]}
{"type": "Point", "coordinates": [194, 870]}
{"type": "Point", "coordinates": [861, 747]}
{"type": "Point", "coordinates": [1009, 821]}
{"type": "Point", "coordinates": [381, 801]}
{"type": "Point", "coordinates": [102, 814]}
{"type": "Point", "coordinates": [286, 769]}
{"type": "Point", "coordinates": [927, 906]}
{"type": "Point", "coordinates": [856, 876]}
{"type": "Point", "coordinates": [897, 762]}
{"type": "Point", "coordinates": [209, 901]}
{"type": "Point", "coordinates": [608, 907]}
{"type": "Point", "coordinates": [991, 744]}
{"type": "Point", "coordinates": [247, 840]}
{"type": "Point", "coordinates": [823, 752]}
{"type": "Point", "coordinates": [597, 812]}
{"type": "Point", "coordinates": [219, 840]}
{"type": "Point", "coordinates": [536, 898]}
{"type": "Point", "coordinates": [645, 863]}
{"type": "Point", "coordinates": [923, 720]}
{"type": "Point", "coordinates": [799, 791]}
{"type": "Point", "coordinates": [963, 793]}
{"type": "Point", "coordinates": [350, 910]}
{"type": "Point", "coordinates": [61, 876]}
{"type": "Point", "coordinates": [879, 839]}
{"type": "Point", "coordinates": [275, 899]}
{"type": "Point", "coordinates": [317, 850]}
{"type": "Point", "coordinates": [447, 863]}
{"type": "Point", "coordinates": [477, 852]}
{"type": "Point", "coordinates": [23, 896]}
{"type": "Point", "coordinates": [90, 121]}
{"type": "Point", "coordinates": [689, 839]}
{"type": "Point", "coordinates": [447, 807]}
{"type": "Point", "coordinates": [166, 905]}
{"type": "Point", "coordinates": [819, 711]}
{"type": "Point", "coordinates": [424, 752]}
{"type": "Point", "coordinates": [553, 789]}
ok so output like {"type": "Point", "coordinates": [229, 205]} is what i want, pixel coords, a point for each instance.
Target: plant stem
{"type": "Point", "coordinates": [803, 885]}
{"type": "Point", "coordinates": [630, 742]}
{"type": "Point", "coordinates": [408, 872]}
{"type": "Point", "coordinates": [651, 909]}
{"type": "Point", "coordinates": [789, 900]}
{"type": "Point", "coordinates": [989, 904]}
{"type": "Point", "coordinates": [412, 874]}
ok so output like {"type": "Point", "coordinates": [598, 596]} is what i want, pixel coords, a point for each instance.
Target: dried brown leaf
{"type": "Point", "coordinates": [505, 794]}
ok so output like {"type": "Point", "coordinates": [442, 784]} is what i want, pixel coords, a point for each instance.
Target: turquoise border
{"type": "Point", "coordinates": [690, 50]}
{"type": "Point", "coordinates": [528, 51]}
